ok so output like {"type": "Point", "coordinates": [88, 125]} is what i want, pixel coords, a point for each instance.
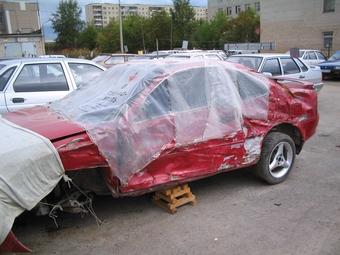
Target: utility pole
{"type": "Point", "coordinates": [121, 30]}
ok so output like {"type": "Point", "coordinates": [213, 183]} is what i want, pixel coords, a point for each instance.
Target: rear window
{"type": "Point", "coordinates": [250, 61]}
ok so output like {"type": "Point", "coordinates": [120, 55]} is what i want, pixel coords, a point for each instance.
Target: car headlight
{"type": "Point", "coordinates": [337, 68]}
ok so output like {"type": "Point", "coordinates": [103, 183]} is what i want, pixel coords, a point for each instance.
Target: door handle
{"type": "Point", "coordinates": [302, 76]}
{"type": "Point", "coordinates": [18, 100]}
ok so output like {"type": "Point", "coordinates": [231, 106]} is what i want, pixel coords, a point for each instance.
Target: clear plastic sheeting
{"type": "Point", "coordinates": [135, 111]}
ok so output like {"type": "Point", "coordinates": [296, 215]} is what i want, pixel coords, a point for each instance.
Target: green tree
{"type": "Point", "coordinates": [243, 28]}
{"type": "Point", "coordinates": [88, 37]}
{"type": "Point", "coordinates": [133, 33]}
{"type": "Point", "coordinates": [209, 34]}
{"type": "Point", "coordinates": [162, 31]}
{"type": "Point", "coordinates": [108, 38]}
{"type": "Point", "coordinates": [66, 23]}
{"type": "Point", "coordinates": [182, 19]}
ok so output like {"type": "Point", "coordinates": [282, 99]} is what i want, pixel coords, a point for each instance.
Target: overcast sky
{"type": "Point", "coordinates": [46, 7]}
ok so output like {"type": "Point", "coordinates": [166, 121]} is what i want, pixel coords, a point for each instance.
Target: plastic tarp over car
{"type": "Point", "coordinates": [135, 111]}
{"type": "Point", "coordinates": [30, 168]}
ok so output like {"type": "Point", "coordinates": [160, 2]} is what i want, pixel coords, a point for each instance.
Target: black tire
{"type": "Point", "coordinates": [277, 158]}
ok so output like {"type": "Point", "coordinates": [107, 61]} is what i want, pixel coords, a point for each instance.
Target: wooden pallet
{"type": "Point", "coordinates": [170, 199]}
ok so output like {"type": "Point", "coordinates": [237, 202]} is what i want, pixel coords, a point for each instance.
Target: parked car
{"type": "Point", "coordinates": [154, 56]}
{"type": "Point", "coordinates": [311, 57]}
{"type": "Point", "coordinates": [222, 53]}
{"type": "Point", "coordinates": [166, 51]}
{"type": "Point", "coordinates": [196, 55]}
{"type": "Point", "coordinates": [108, 60]}
{"type": "Point", "coordinates": [26, 82]}
{"type": "Point", "coordinates": [237, 51]}
{"type": "Point", "coordinates": [280, 66]}
{"type": "Point", "coordinates": [52, 56]}
{"type": "Point", "coordinates": [331, 67]}
{"type": "Point", "coordinates": [148, 125]}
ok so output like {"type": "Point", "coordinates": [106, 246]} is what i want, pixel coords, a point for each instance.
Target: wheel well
{"type": "Point", "coordinates": [292, 131]}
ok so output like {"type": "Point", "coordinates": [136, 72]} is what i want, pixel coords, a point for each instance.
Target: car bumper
{"type": "Point", "coordinates": [330, 73]}
{"type": "Point", "coordinates": [318, 87]}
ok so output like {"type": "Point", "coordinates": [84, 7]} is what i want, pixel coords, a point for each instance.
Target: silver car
{"type": "Point", "coordinates": [281, 65]}
{"type": "Point", "coordinates": [26, 82]}
{"type": "Point", "coordinates": [311, 57]}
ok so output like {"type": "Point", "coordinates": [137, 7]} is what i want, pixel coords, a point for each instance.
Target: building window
{"type": "Point", "coordinates": [220, 9]}
{"type": "Point", "coordinates": [328, 5]}
{"type": "Point", "coordinates": [238, 9]}
{"type": "Point", "coordinates": [220, 1]}
{"type": "Point", "coordinates": [327, 39]}
{"type": "Point", "coordinates": [1, 19]}
{"type": "Point", "coordinates": [229, 10]}
{"type": "Point", "coordinates": [247, 6]}
{"type": "Point", "coordinates": [257, 6]}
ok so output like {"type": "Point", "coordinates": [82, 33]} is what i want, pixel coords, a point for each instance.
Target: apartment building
{"type": "Point", "coordinates": [20, 29]}
{"type": "Point", "coordinates": [291, 23]}
{"type": "Point", "coordinates": [301, 24]}
{"type": "Point", "coordinates": [101, 14]}
{"type": "Point", "coordinates": [231, 7]}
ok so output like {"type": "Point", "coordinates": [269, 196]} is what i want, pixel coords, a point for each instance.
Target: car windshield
{"type": "Point", "coordinates": [335, 57]}
{"type": "Point", "coordinates": [178, 56]}
{"type": "Point", "coordinates": [133, 110]}
{"type": "Point", "coordinates": [249, 61]}
{"type": "Point", "coordinates": [99, 58]}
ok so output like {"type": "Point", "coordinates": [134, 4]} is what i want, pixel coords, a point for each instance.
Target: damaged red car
{"type": "Point", "coordinates": [144, 126]}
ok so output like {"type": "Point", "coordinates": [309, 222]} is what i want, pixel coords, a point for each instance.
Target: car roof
{"type": "Point", "coordinates": [191, 54]}
{"type": "Point", "coordinates": [37, 60]}
{"type": "Point", "coordinates": [263, 55]}
{"type": "Point", "coordinates": [151, 55]}
{"type": "Point", "coordinates": [17, 61]}
{"type": "Point", "coordinates": [122, 54]}
{"type": "Point", "coordinates": [52, 56]}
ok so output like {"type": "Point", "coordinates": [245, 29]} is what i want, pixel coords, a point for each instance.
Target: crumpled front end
{"type": "Point", "coordinates": [27, 160]}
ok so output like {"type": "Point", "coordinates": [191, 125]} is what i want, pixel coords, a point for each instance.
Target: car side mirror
{"type": "Point", "coordinates": [268, 74]}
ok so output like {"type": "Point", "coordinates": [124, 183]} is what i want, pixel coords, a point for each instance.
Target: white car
{"type": "Point", "coordinates": [26, 82]}
{"type": "Point", "coordinates": [281, 65]}
{"type": "Point", "coordinates": [196, 55]}
{"type": "Point", "coordinates": [311, 57]}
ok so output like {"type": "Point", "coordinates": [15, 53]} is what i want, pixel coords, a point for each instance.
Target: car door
{"type": "Point", "coordinates": [310, 58]}
{"type": "Point", "coordinates": [186, 123]}
{"type": "Point", "coordinates": [283, 67]}
{"type": "Point", "coordinates": [37, 83]}
{"type": "Point", "coordinates": [291, 68]}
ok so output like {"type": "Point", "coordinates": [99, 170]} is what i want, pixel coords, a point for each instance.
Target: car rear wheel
{"type": "Point", "coordinates": [277, 158]}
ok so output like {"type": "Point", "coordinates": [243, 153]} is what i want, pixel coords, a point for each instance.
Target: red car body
{"type": "Point", "coordinates": [135, 152]}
